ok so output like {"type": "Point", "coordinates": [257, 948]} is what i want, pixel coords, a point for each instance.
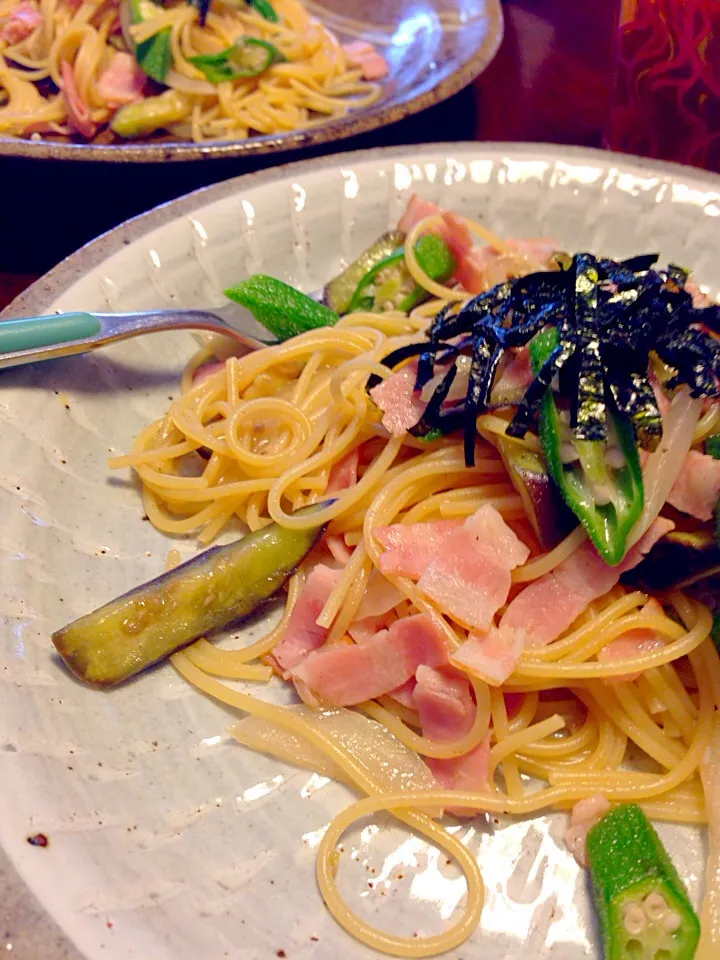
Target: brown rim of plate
{"type": "Point", "coordinates": [379, 114]}
{"type": "Point", "coordinates": [38, 296]}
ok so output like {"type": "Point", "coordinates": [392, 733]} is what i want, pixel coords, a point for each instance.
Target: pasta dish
{"type": "Point", "coordinates": [497, 462]}
{"type": "Point", "coordinates": [226, 70]}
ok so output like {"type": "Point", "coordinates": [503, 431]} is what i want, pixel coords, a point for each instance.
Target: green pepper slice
{"type": "Point", "coordinates": [389, 280]}
{"type": "Point", "coordinates": [247, 57]}
{"type": "Point", "coordinates": [607, 498]}
{"type": "Point", "coordinates": [641, 903]}
{"type": "Point", "coordinates": [265, 9]}
{"type": "Point", "coordinates": [154, 55]}
{"type": "Point", "coordinates": [712, 446]}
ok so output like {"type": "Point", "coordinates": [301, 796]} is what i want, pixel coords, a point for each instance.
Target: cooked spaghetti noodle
{"type": "Point", "coordinates": [66, 69]}
{"type": "Point", "coordinates": [263, 435]}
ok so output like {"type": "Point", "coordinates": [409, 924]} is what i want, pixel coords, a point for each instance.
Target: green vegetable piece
{"type": "Point", "coordinates": [219, 586]}
{"type": "Point", "coordinates": [149, 115]}
{"type": "Point", "coordinates": [280, 308]}
{"type": "Point", "coordinates": [642, 905]}
{"type": "Point", "coordinates": [715, 630]}
{"type": "Point", "coordinates": [435, 257]}
{"type": "Point", "coordinates": [154, 55]}
{"type": "Point", "coordinates": [712, 446]}
{"type": "Point", "coordinates": [607, 498]}
{"type": "Point", "coordinates": [391, 282]}
{"type": "Point", "coordinates": [265, 9]}
{"type": "Point", "coordinates": [247, 57]}
{"type": "Point", "coordinates": [215, 66]}
{"type": "Point", "coordinates": [395, 261]}
{"type": "Point", "coordinates": [436, 260]}
{"type": "Point", "coordinates": [339, 291]}
{"type": "Point", "coordinates": [434, 434]}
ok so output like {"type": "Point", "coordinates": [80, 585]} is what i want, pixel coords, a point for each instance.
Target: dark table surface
{"type": "Point", "coordinates": [549, 82]}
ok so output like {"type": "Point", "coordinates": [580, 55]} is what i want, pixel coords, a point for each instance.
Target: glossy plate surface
{"type": "Point", "coordinates": [434, 49]}
{"type": "Point", "coordinates": [167, 840]}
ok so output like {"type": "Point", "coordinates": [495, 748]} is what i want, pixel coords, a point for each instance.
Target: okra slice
{"type": "Point", "coordinates": [219, 586]}
{"type": "Point", "coordinates": [642, 905]}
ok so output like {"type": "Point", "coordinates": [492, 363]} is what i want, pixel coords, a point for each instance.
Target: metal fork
{"type": "Point", "coordinates": [28, 339]}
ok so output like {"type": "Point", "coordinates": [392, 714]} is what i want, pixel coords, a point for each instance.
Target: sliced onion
{"type": "Point", "coordinates": [189, 84]}
{"type": "Point", "coordinates": [388, 762]}
{"type": "Point", "coordinates": [709, 946]}
{"type": "Point", "coordinates": [663, 466]}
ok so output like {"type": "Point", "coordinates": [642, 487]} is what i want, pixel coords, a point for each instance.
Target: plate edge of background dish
{"type": "Point", "coordinates": [355, 123]}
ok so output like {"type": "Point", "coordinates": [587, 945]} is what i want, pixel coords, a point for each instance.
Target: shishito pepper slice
{"type": "Point", "coordinates": [154, 55]}
{"type": "Point", "coordinates": [642, 905]}
{"type": "Point", "coordinates": [219, 586]}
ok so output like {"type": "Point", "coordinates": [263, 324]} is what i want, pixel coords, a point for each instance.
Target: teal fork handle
{"type": "Point", "coordinates": [29, 333]}
{"type": "Point", "coordinates": [29, 339]}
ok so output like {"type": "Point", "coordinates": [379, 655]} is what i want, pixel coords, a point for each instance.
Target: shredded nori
{"type": "Point", "coordinates": [609, 316]}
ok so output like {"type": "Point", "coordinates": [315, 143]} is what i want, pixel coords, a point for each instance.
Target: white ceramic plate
{"type": "Point", "coordinates": [168, 841]}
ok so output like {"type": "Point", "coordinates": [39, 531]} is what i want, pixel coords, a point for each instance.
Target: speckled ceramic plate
{"type": "Point", "coordinates": [434, 49]}
{"type": "Point", "coordinates": [168, 841]}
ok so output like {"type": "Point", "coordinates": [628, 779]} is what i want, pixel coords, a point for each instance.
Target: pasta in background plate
{"type": "Point", "coordinates": [66, 68]}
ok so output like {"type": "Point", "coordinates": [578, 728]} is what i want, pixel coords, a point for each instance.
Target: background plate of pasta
{"type": "Point", "coordinates": [446, 682]}
{"type": "Point", "coordinates": [143, 80]}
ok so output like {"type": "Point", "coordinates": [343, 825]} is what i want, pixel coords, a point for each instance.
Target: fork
{"type": "Point", "coordinates": [28, 339]}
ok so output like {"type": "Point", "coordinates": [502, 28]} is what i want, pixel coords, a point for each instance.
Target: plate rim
{"type": "Point", "coordinates": [60, 277]}
{"type": "Point", "coordinates": [354, 124]}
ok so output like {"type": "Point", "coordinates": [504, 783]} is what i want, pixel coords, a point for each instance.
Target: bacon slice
{"type": "Point", "coordinates": [697, 488]}
{"type": "Point", "coordinates": [364, 55]}
{"type": "Point", "coordinates": [585, 814]}
{"type": "Point", "coordinates": [485, 267]}
{"type": "Point", "coordinates": [405, 693]}
{"type": "Point", "coordinates": [206, 370]}
{"type": "Point", "coordinates": [401, 404]}
{"type": "Point", "coordinates": [343, 474]}
{"type": "Point", "coordinates": [631, 644]}
{"type": "Point", "coordinates": [492, 656]}
{"type": "Point", "coordinates": [514, 376]}
{"type": "Point", "coordinates": [302, 634]}
{"type": "Point", "coordinates": [468, 772]}
{"type": "Point", "coordinates": [444, 701]}
{"type": "Point", "coordinates": [417, 210]}
{"type": "Point", "coordinates": [363, 630]}
{"type": "Point", "coordinates": [381, 597]}
{"type": "Point", "coordinates": [469, 579]}
{"type": "Point", "coordinates": [122, 81]}
{"type": "Point", "coordinates": [23, 21]}
{"type": "Point", "coordinates": [547, 607]}
{"type": "Point", "coordinates": [339, 550]}
{"type": "Point", "coordinates": [409, 547]}
{"type": "Point", "coordinates": [343, 676]}
{"type": "Point", "coordinates": [78, 110]}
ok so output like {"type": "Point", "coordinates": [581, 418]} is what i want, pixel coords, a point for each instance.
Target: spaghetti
{"type": "Point", "coordinates": [266, 434]}
{"type": "Point", "coordinates": [67, 68]}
